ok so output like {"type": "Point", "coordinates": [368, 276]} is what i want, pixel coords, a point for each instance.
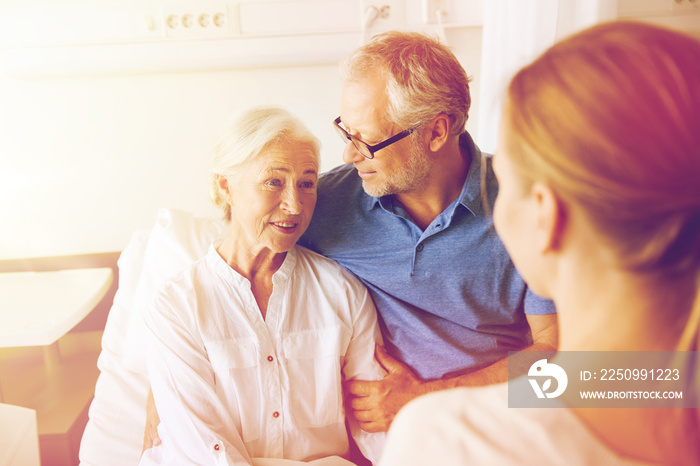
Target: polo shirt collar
{"type": "Point", "coordinates": [471, 191]}
{"type": "Point", "coordinates": [370, 202]}
{"type": "Point", "coordinates": [470, 197]}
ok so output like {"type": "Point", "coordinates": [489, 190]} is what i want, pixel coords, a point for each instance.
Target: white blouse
{"type": "Point", "coordinates": [475, 426]}
{"type": "Point", "coordinates": [230, 386]}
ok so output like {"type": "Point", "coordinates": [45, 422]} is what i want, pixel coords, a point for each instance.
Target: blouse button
{"type": "Point", "coordinates": [270, 358]}
{"type": "Point", "coordinates": [276, 414]}
{"type": "Point", "coordinates": [419, 248]}
{"type": "Point", "coordinates": [216, 447]}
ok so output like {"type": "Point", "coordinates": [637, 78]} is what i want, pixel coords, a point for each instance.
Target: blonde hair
{"type": "Point", "coordinates": [610, 119]}
{"type": "Point", "coordinates": [245, 138]}
{"type": "Point", "coordinates": [423, 77]}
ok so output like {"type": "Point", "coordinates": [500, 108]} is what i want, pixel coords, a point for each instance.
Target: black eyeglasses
{"type": "Point", "coordinates": [364, 148]}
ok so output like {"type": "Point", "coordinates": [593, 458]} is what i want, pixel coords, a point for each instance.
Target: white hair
{"type": "Point", "coordinates": [423, 77]}
{"type": "Point", "coordinates": [248, 136]}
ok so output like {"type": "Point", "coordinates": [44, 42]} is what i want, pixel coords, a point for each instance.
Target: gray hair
{"type": "Point", "coordinates": [247, 137]}
{"type": "Point", "coordinates": [423, 77]}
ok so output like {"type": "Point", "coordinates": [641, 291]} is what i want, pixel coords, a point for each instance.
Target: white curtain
{"type": "Point", "coordinates": [515, 32]}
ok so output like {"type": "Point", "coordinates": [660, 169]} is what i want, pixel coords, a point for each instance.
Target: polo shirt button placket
{"type": "Point", "coordinates": [419, 248]}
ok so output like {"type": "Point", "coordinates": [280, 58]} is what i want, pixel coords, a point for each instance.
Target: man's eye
{"type": "Point", "coordinates": [307, 184]}
{"type": "Point", "coordinates": [274, 183]}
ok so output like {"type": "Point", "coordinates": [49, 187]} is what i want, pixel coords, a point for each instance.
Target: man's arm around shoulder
{"type": "Point", "coordinates": [375, 403]}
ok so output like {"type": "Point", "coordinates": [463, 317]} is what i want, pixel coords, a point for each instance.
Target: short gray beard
{"type": "Point", "coordinates": [410, 179]}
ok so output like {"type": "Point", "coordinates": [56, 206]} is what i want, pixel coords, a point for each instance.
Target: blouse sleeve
{"type": "Point", "coordinates": [412, 439]}
{"type": "Point", "coordinates": [361, 364]}
{"type": "Point", "coordinates": [195, 427]}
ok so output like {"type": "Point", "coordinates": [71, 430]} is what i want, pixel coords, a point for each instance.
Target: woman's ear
{"type": "Point", "coordinates": [224, 188]}
{"type": "Point", "coordinates": [551, 218]}
{"type": "Point", "coordinates": [439, 131]}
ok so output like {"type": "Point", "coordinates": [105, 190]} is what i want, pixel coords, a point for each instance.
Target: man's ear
{"type": "Point", "coordinates": [438, 131]}
{"type": "Point", "coordinates": [551, 218]}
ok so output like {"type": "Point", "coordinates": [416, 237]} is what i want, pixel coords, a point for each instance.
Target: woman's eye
{"type": "Point", "coordinates": [307, 184]}
{"type": "Point", "coordinates": [275, 183]}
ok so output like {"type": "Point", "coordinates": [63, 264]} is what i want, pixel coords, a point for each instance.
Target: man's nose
{"type": "Point", "coordinates": [351, 154]}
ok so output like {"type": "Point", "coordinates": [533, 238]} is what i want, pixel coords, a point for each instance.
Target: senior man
{"type": "Point", "coordinates": [409, 215]}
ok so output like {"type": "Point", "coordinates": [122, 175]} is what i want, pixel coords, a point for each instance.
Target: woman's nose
{"type": "Point", "coordinates": [351, 154]}
{"type": "Point", "coordinates": [292, 201]}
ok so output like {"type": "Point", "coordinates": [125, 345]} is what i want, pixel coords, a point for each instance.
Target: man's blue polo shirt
{"type": "Point", "coordinates": [449, 298]}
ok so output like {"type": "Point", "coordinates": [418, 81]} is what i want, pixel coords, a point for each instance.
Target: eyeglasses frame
{"type": "Point", "coordinates": [371, 148]}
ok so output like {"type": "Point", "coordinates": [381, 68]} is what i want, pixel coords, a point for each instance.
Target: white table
{"type": "Point", "coordinates": [38, 308]}
{"type": "Point", "coordinates": [18, 431]}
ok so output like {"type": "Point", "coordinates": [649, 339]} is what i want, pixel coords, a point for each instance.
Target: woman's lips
{"type": "Point", "coordinates": [285, 227]}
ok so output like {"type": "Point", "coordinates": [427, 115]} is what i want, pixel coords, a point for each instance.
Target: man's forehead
{"type": "Point", "coordinates": [363, 108]}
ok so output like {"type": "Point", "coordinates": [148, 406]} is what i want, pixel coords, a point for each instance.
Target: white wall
{"type": "Point", "coordinates": [86, 160]}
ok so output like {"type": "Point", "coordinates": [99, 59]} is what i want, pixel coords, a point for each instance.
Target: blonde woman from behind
{"type": "Point", "coordinates": [599, 208]}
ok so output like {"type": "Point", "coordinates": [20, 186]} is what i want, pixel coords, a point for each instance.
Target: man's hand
{"type": "Point", "coordinates": [375, 403]}
{"type": "Point", "coordinates": [150, 435]}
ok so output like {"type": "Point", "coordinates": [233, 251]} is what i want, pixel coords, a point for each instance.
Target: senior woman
{"type": "Point", "coordinates": [599, 207]}
{"type": "Point", "coordinates": [249, 346]}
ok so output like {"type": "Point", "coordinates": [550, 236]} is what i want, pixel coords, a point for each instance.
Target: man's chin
{"type": "Point", "coordinates": [374, 190]}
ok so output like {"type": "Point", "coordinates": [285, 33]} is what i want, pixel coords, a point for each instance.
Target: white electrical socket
{"type": "Point", "coordinates": [199, 20]}
{"type": "Point", "coordinates": [389, 13]}
{"type": "Point", "coordinates": [434, 10]}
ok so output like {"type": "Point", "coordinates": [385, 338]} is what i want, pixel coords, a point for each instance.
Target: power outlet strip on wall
{"type": "Point", "coordinates": [199, 21]}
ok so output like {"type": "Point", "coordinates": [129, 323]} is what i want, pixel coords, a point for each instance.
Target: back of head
{"type": "Point", "coordinates": [423, 77]}
{"type": "Point", "coordinates": [248, 136]}
{"type": "Point", "coordinates": [610, 118]}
